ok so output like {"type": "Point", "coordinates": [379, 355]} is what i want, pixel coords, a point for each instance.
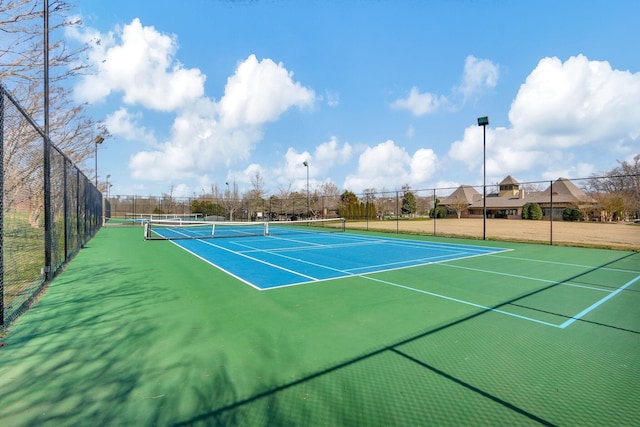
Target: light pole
{"type": "Point", "coordinates": [227, 201]}
{"type": "Point", "coordinates": [306, 164]}
{"type": "Point", "coordinates": [107, 190]}
{"type": "Point", "coordinates": [484, 121]}
{"type": "Point", "coordinates": [98, 140]}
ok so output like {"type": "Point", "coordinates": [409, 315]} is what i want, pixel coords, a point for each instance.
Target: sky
{"type": "Point", "coordinates": [372, 94]}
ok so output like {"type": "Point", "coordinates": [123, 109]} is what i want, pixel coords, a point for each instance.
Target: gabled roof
{"type": "Point", "coordinates": [563, 186]}
{"type": "Point", "coordinates": [464, 192]}
{"type": "Point", "coordinates": [564, 191]}
{"type": "Point", "coordinates": [509, 180]}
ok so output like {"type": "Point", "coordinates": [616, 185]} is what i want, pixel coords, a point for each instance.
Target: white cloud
{"type": "Point", "coordinates": [389, 166]}
{"type": "Point", "coordinates": [420, 104]}
{"type": "Point", "coordinates": [139, 62]}
{"type": "Point", "coordinates": [411, 132]}
{"type": "Point", "coordinates": [423, 165]}
{"type": "Point", "coordinates": [478, 75]}
{"type": "Point", "coordinates": [559, 108]}
{"type": "Point", "coordinates": [207, 134]}
{"type": "Point", "coordinates": [332, 98]}
{"type": "Point", "coordinates": [182, 190]}
{"type": "Point", "coordinates": [577, 102]}
{"type": "Point", "coordinates": [324, 157]}
{"type": "Point", "coordinates": [259, 92]}
{"type": "Point", "coordinates": [330, 153]}
{"type": "Point", "coordinates": [123, 124]}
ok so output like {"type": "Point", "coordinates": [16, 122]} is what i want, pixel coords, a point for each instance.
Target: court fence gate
{"type": "Point", "coordinates": [49, 209]}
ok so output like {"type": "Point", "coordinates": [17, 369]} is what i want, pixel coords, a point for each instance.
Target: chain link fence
{"type": "Point", "coordinates": [49, 209]}
{"type": "Point", "coordinates": [591, 211]}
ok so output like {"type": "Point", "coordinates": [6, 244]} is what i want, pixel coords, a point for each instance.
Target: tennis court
{"type": "Point", "coordinates": [292, 256]}
{"type": "Point", "coordinates": [335, 329]}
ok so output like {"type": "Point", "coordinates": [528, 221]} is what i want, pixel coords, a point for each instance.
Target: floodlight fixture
{"type": "Point", "coordinates": [483, 121]}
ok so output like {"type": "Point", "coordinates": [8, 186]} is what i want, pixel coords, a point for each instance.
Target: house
{"type": "Point", "coordinates": [466, 201]}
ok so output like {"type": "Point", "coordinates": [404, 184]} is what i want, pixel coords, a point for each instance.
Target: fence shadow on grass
{"type": "Point", "coordinates": [67, 358]}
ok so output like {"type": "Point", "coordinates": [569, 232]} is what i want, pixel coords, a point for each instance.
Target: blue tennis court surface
{"type": "Point", "coordinates": [268, 262]}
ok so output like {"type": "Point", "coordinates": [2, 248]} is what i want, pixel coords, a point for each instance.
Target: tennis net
{"type": "Point", "coordinates": [185, 229]}
{"type": "Point", "coordinates": [141, 218]}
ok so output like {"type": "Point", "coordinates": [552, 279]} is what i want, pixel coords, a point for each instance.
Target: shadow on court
{"type": "Point", "coordinates": [134, 333]}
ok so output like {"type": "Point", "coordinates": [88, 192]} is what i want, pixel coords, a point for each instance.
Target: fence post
{"type": "Point", "coordinates": [47, 208]}
{"type": "Point", "coordinates": [366, 209]}
{"type": "Point", "coordinates": [1, 206]}
{"type": "Point", "coordinates": [551, 213]}
{"type": "Point", "coordinates": [397, 212]}
{"type": "Point", "coordinates": [65, 208]}
{"type": "Point", "coordinates": [435, 213]}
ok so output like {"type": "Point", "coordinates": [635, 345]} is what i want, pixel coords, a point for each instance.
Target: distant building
{"type": "Point", "coordinates": [467, 202]}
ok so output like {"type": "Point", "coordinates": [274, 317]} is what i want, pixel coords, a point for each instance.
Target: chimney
{"type": "Point", "coordinates": [522, 193]}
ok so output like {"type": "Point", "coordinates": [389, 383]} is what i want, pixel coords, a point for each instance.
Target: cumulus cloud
{"type": "Point", "coordinates": [139, 62]}
{"type": "Point", "coordinates": [560, 107]}
{"type": "Point", "coordinates": [324, 157]}
{"type": "Point", "coordinates": [478, 76]}
{"type": "Point", "coordinates": [207, 134]}
{"type": "Point", "coordinates": [389, 166]}
{"type": "Point", "coordinates": [577, 102]}
{"type": "Point", "coordinates": [420, 104]}
{"type": "Point", "coordinates": [259, 92]}
{"type": "Point", "coordinates": [330, 153]}
{"type": "Point", "coordinates": [123, 124]}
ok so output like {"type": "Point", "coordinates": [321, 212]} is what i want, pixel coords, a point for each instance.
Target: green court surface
{"type": "Point", "coordinates": [145, 333]}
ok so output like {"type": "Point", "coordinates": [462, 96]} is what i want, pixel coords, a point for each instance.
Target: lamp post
{"type": "Point", "coordinates": [484, 121]}
{"type": "Point", "coordinates": [98, 140]}
{"type": "Point", "coordinates": [227, 201]}
{"type": "Point", "coordinates": [306, 164]}
{"type": "Point", "coordinates": [107, 190]}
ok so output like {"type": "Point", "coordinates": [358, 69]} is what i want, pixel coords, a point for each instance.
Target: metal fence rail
{"type": "Point", "coordinates": [554, 212]}
{"type": "Point", "coordinates": [34, 249]}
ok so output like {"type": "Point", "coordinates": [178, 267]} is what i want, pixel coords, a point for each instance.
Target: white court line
{"type": "Point", "coordinates": [215, 265]}
{"type": "Point", "coordinates": [364, 275]}
{"type": "Point", "coordinates": [462, 301]}
{"type": "Point", "coordinates": [350, 271]}
{"type": "Point", "coordinates": [258, 260]}
{"type": "Point", "coordinates": [315, 247]}
{"type": "Point", "coordinates": [597, 304]}
{"type": "Point", "coordinates": [622, 270]}
{"type": "Point", "coordinates": [535, 279]}
{"type": "Point", "coordinates": [421, 243]}
{"type": "Point", "coordinates": [378, 267]}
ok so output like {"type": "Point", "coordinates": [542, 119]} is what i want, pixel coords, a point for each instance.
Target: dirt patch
{"type": "Point", "coordinates": [605, 235]}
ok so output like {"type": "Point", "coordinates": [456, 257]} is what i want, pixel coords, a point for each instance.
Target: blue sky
{"type": "Point", "coordinates": [373, 94]}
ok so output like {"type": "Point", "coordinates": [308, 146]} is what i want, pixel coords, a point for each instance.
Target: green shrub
{"type": "Point", "coordinates": [572, 214]}
{"type": "Point", "coordinates": [532, 211]}
{"type": "Point", "coordinates": [438, 212]}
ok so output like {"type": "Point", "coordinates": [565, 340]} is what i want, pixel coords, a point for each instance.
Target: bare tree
{"type": "Point", "coordinates": [459, 204]}
{"type": "Point", "coordinates": [326, 199]}
{"type": "Point", "coordinates": [22, 72]}
{"type": "Point", "coordinates": [618, 191]}
{"type": "Point", "coordinates": [232, 201]}
{"type": "Point", "coordinates": [255, 196]}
